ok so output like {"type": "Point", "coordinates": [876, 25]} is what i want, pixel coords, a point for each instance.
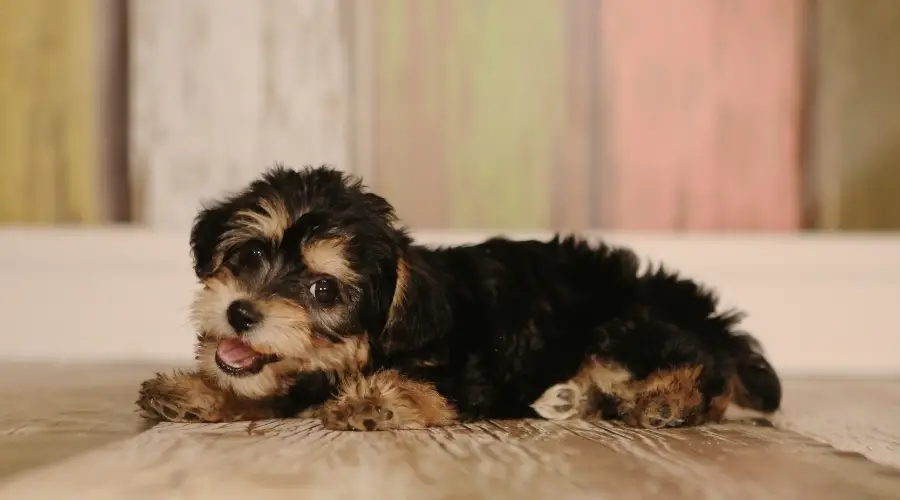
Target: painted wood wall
{"type": "Point", "coordinates": [701, 114]}
{"type": "Point", "coordinates": [222, 89]}
{"type": "Point", "coordinates": [48, 128]}
{"type": "Point", "coordinates": [571, 114]}
{"type": "Point", "coordinates": [491, 114]}
{"type": "Point", "coordinates": [856, 118]}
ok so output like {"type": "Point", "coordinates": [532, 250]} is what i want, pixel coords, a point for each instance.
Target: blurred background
{"type": "Point", "coordinates": [700, 115]}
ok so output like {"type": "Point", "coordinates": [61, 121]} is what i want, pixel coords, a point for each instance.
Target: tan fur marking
{"type": "Point", "coordinates": [400, 290]}
{"type": "Point", "coordinates": [270, 223]}
{"type": "Point", "coordinates": [386, 400]}
{"type": "Point", "coordinates": [326, 256]}
{"type": "Point", "coordinates": [190, 397]}
{"type": "Point", "coordinates": [719, 404]}
{"type": "Point", "coordinates": [607, 376]}
{"type": "Point", "coordinates": [286, 331]}
{"type": "Point", "coordinates": [576, 398]}
{"type": "Point", "coordinates": [665, 396]}
{"type": "Point", "coordinates": [270, 220]}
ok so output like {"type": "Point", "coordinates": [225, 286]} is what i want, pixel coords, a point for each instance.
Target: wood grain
{"type": "Point", "coordinates": [468, 102]}
{"type": "Point", "coordinates": [855, 125]}
{"type": "Point", "coordinates": [222, 89]}
{"type": "Point", "coordinates": [701, 113]}
{"type": "Point", "coordinates": [856, 416]}
{"type": "Point", "coordinates": [521, 459]}
{"type": "Point", "coordinates": [48, 131]}
{"type": "Point", "coordinates": [853, 423]}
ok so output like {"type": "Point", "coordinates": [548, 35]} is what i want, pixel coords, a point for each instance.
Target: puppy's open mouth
{"type": "Point", "coordinates": [237, 358]}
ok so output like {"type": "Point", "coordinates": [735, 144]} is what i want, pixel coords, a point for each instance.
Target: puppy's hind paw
{"type": "Point", "coordinates": [561, 402]}
{"type": "Point", "coordinates": [656, 415]}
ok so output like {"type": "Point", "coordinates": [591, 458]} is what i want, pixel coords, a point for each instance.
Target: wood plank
{"type": "Point", "coordinates": [222, 89]}
{"type": "Point", "coordinates": [576, 167]}
{"type": "Point", "coordinates": [48, 134]}
{"type": "Point", "coordinates": [62, 409]}
{"type": "Point", "coordinates": [701, 114]}
{"type": "Point", "coordinates": [497, 459]}
{"type": "Point", "coordinates": [855, 126]}
{"type": "Point", "coordinates": [853, 415]}
{"type": "Point", "coordinates": [468, 110]}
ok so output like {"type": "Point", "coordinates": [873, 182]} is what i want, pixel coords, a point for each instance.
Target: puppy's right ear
{"type": "Point", "coordinates": [209, 225]}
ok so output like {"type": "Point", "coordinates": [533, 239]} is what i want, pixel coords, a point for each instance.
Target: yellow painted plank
{"type": "Point", "coordinates": [48, 152]}
{"type": "Point", "coordinates": [855, 178]}
{"type": "Point", "coordinates": [469, 106]}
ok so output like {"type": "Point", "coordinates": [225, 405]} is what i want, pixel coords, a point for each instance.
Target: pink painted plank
{"type": "Point", "coordinates": [701, 114]}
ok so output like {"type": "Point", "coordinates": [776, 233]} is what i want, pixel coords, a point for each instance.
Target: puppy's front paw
{"type": "Point", "coordinates": [179, 398]}
{"type": "Point", "coordinates": [358, 414]}
{"type": "Point", "coordinates": [561, 402]}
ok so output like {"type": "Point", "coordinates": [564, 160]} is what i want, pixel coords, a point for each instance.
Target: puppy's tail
{"type": "Point", "coordinates": [756, 385]}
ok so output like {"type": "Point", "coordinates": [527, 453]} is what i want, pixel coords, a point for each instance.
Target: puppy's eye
{"type": "Point", "coordinates": [251, 255]}
{"type": "Point", "coordinates": [325, 291]}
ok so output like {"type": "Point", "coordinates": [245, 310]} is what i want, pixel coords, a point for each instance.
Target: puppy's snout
{"type": "Point", "coordinates": [243, 315]}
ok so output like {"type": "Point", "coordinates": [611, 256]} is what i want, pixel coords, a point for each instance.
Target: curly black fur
{"type": "Point", "coordinates": [493, 325]}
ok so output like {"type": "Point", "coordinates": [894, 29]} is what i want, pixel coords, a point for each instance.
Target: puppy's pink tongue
{"type": "Point", "coordinates": [236, 354]}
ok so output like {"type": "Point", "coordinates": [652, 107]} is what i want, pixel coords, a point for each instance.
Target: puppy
{"type": "Point", "coordinates": [316, 302]}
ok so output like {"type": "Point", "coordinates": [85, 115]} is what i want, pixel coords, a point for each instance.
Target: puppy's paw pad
{"type": "Point", "coordinates": [559, 402]}
{"type": "Point", "coordinates": [366, 414]}
{"type": "Point", "coordinates": [656, 414]}
{"type": "Point", "coordinates": [661, 415]}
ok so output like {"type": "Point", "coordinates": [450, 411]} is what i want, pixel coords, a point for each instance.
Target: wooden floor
{"type": "Point", "coordinates": [70, 433]}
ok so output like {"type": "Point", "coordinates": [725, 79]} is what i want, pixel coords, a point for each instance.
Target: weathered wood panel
{"type": "Point", "coordinates": [574, 114]}
{"type": "Point", "coordinates": [497, 459]}
{"type": "Point", "coordinates": [221, 89]}
{"type": "Point", "coordinates": [701, 111]}
{"type": "Point", "coordinates": [468, 107]}
{"type": "Point", "coordinates": [855, 177]}
{"type": "Point", "coordinates": [48, 131]}
{"type": "Point", "coordinates": [63, 409]}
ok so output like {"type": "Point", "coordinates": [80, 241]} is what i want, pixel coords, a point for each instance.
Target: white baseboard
{"type": "Point", "coordinates": [820, 304]}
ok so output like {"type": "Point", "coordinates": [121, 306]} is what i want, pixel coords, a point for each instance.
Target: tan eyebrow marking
{"type": "Point", "coordinates": [327, 256]}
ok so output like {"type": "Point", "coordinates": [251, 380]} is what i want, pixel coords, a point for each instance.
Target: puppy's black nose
{"type": "Point", "coordinates": [242, 315]}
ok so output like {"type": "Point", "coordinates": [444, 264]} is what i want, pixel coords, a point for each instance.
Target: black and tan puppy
{"type": "Point", "coordinates": [316, 302]}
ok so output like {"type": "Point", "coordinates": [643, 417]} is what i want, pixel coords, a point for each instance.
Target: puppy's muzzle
{"type": "Point", "coordinates": [243, 315]}
{"type": "Point", "coordinates": [234, 356]}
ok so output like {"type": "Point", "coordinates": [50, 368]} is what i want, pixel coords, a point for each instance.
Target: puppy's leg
{"type": "Point", "coordinates": [667, 398]}
{"type": "Point", "coordinates": [189, 397]}
{"type": "Point", "coordinates": [651, 374]}
{"type": "Point", "coordinates": [584, 394]}
{"type": "Point", "coordinates": [386, 400]}
{"type": "Point", "coordinates": [676, 380]}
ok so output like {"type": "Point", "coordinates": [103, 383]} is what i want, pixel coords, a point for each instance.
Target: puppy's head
{"type": "Point", "coordinates": [297, 271]}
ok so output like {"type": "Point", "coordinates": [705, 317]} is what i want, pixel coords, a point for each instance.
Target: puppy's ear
{"type": "Point", "coordinates": [417, 311]}
{"type": "Point", "coordinates": [209, 225]}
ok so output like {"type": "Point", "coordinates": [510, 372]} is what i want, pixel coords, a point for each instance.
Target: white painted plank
{"type": "Point", "coordinates": [221, 89]}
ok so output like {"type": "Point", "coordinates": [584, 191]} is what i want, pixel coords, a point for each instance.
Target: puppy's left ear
{"type": "Point", "coordinates": [209, 225]}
